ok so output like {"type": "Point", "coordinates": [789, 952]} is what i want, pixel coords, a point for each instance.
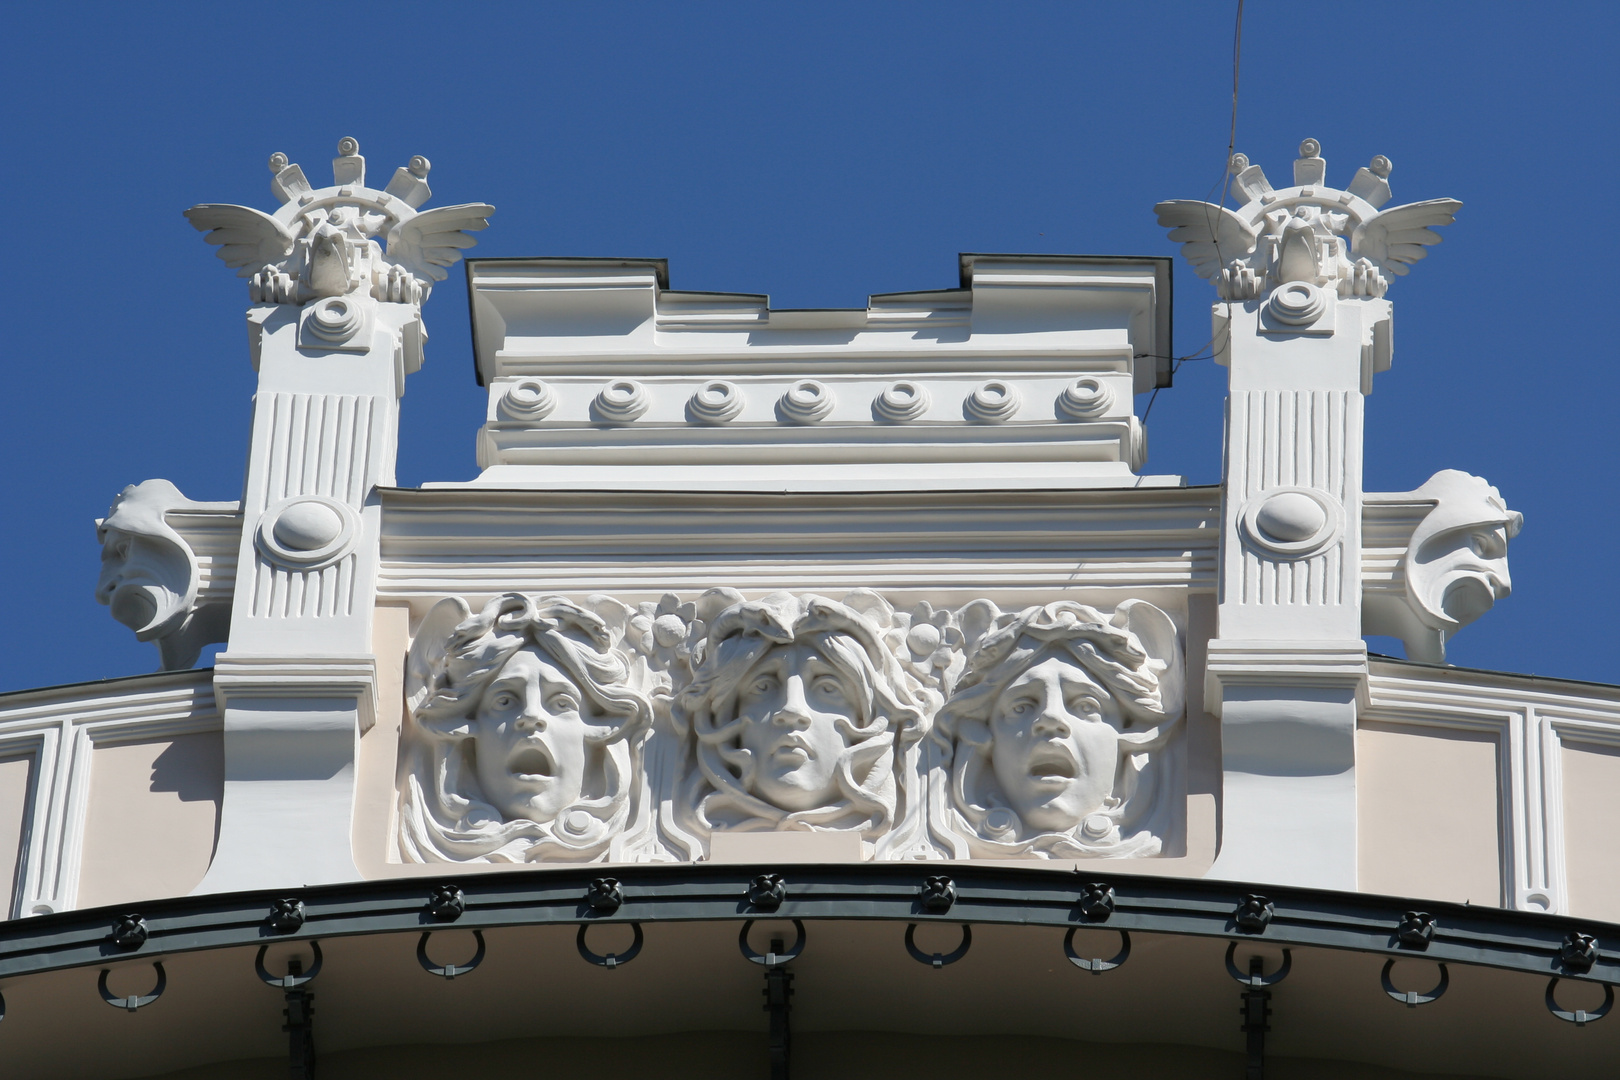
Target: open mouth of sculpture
{"type": "Point", "coordinates": [1467, 598]}
{"type": "Point", "coordinates": [532, 763]}
{"type": "Point", "coordinates": [792, 751]}
{"type": "Point", "coordinates": [1053, 765]}
{"type": "Point", "coordinates": [134, 606]}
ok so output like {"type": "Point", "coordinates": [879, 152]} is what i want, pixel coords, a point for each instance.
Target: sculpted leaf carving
{"type": "Point", "coordinates": [542, 729]}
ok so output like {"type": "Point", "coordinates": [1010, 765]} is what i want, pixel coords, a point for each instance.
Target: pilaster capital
{"type": "Point", "coordinates": [241, 676]}
{"type": "Point", "coordinates": [1313, 665]}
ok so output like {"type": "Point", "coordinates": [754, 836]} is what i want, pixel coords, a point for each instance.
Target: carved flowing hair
{"type": "Point", "coordinates": [444, 816]}
{"type": "Point", "coordinates": [891, 709]}
{"type": "Point", "coordinates": [1146, 683]}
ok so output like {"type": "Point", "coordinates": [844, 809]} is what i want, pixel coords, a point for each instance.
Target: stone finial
{"type": "Point", "coordinates": [1311, 233]}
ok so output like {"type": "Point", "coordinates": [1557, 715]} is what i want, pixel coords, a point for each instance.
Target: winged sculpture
{"type": "Point", "coordinates": [342, 239]}
{"type": "Point", "coordinates": [1333, 238]}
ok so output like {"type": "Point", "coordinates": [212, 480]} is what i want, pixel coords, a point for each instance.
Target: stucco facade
{"type": "Point", "coordinates": [865, 626]}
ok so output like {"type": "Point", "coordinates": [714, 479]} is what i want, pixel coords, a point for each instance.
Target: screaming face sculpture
{"type": "Point", "coordinates": [1456, 564]}
{"type": "Point", "coordinates": [149, 575]}
{"type": "Point", "coordinates": [520, 748]}
{"type": "Point", "coordinates": [1054, 733]}
{"type": "Point", "coordinates": [1053, 744]}
{"type": "Point", "coordinates": [1455, 567]}
{"type": "Point", "coordinates": [799, 713]}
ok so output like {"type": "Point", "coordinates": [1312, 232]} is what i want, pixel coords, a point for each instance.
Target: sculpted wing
{"type": "Point", "coordinates": [1396, 238]}
{"type": "Point", "coordinates": [426, 660]}
{"type": "Point", "coordinates": [248, 239]}
{"type": "Point", "coordinates": [435, 239]}
{"type": "Point", "coordinates": [1210, 236]}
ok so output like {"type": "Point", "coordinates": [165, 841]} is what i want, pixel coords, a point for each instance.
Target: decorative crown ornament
{"type": "Point", "coordinates": [1311, 233]}
{"type": "Point", "coordinates": [330, 242]}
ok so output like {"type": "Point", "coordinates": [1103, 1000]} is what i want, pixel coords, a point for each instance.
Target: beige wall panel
{"type": "Point", "coordinates": [1428, 814]}
{"type": "Point", "coordinates": [372, 831]}
{"type": "Point", "coordinates": [1591, 812]}
{"type": "Point", "coordinates": [151, 819]}
{"type": "Point", "coordinates": [16, 787]}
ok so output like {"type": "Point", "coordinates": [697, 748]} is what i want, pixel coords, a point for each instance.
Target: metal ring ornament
{"type": "Point", "coordinates": [136, 1001]}
{"type": "Point", "coordinates": [771, 959]}
{"type": "Point", "coordinates": [1258, 980]}
{"type": "Point", "coordinates": [611, 960]}
{"type": "Point", "coordinates": [288, 981]}
{"type": "Point", "coordinates": [1096, 966]}
{"type": "Point", "coordinates": [938, 960]}
{"type": "Point", "coordinates": [449, 971]}
{"type": "Point", "coordinates": [1411, 998]}
{"type": "Point", "coordinates": [1579, 1017]}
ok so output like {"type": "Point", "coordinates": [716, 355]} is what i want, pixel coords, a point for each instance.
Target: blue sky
{"type": "Point", "coordinates": [817, 152]}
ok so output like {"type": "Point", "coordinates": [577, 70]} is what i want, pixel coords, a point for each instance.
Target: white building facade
{"type": "Point", "coordinates": [860, 634]}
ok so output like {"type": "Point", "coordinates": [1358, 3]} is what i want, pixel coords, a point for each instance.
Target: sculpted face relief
{"type": "Point", "coordinates": [524, 738]}
{"type": "Point", "coordinates": [1456, 564]}
{"type": "Point", "coordinates": [529, 738]}
{"type": "Point", "coordinates": [798, 716]}
{"type": "Point", "coordinates": [150, 579]}
{"type": "Point", "coordinates": [796, 711]}
{"type": "Point", "coordinates": [1058, 740]}
{"type": "Point", "coordinates": [962, 733]}
{"type": "Point", "coordinates": [144, 581]}
{"type": "Point", "coordinates": [1466, 569]}
{"type": "Point", "coordinates": [1055, 745]}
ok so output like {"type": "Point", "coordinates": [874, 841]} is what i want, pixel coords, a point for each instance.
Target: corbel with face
{"type": "Point", "coordinates": [150, 577]}
{"type": "Point", "coordinates": [1454, 568]}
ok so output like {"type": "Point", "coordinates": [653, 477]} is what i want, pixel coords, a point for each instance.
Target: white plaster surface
{"type": "Point", "coordinates": [693, 471]}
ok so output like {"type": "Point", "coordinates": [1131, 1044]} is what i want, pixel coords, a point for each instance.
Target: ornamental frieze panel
{"type": "Point", "coordinates": [556, 729]}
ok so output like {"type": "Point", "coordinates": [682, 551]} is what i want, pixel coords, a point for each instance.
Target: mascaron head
{"type": "Point", "coordinates": [148, 571]}
{"type": "Point", "coordinates": [1052, 722]}
{"type": "Point", "coordinates": [526, 710]}
{"type": "Point", "coordinates": [797, 707]}
{"type": "Point", "coordinates": [1456, 563]}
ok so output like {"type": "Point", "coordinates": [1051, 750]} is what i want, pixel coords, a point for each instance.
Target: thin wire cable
{"type": "Point", "coordinates": [1225, 184]}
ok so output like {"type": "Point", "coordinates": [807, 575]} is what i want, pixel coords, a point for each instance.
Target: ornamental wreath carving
{"type": "Point", "coordinates": [548, 729]}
